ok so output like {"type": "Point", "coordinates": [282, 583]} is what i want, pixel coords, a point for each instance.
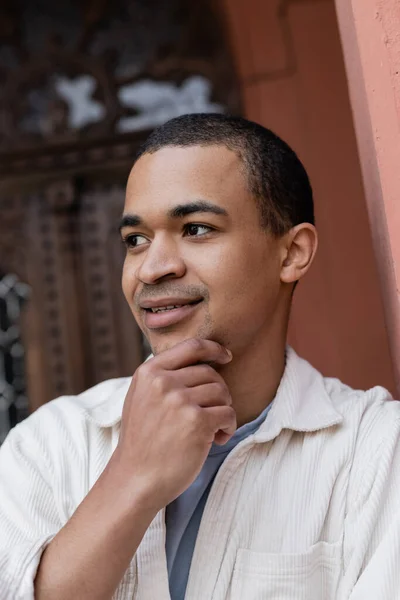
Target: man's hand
{"type": "Point", "coordinates": [176, 406]}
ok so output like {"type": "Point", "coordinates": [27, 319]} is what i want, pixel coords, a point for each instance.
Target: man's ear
{"type": "Point", "coordinates": [300, 246]}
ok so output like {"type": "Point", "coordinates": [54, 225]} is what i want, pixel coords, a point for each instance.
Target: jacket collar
{"type": "Point", "coordinates": [107, 411]}
{"type": "Point", "coordinates": [301, 403]}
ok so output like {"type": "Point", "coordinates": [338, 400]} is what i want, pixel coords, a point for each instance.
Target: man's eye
{"type": "Point", "coordinates": [133, 241]}
{"type": "Point", "coordinates": [193, 230]}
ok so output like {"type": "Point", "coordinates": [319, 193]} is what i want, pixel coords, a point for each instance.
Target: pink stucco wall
{"type": "Point", "coordinates": [370, 31]}
{"type": "Point", "coordinates": [290, 62]}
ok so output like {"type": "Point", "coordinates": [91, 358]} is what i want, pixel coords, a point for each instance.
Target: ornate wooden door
{"type": "Point", "coordinates": [81, 84]}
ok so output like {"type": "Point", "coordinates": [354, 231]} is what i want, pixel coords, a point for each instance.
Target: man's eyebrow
{"type": "Point", "coordinates": [178, 212]}
{"type": "Point", "coordinates": [199, 206]}
{"type": "Point", "coordinates": [129, 221]}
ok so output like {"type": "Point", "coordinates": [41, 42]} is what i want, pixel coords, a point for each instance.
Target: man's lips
{"type": "Point", "coordinates": [167, 311]}
{"type": "Point", "coordinates": [167, 301]}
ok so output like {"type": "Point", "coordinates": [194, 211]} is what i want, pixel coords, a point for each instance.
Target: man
{"type": "Point", "coordinates": [227, 468]}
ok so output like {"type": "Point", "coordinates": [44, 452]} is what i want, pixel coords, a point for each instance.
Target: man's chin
{"type": "Point", "coordinates": [165, 344]}
{"type": "Point", "coordinates": [166, 341]}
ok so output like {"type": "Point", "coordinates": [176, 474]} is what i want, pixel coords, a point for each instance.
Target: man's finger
{"type": "Point", "coordinates": [211, 394]}
{"type": "Point", "coordinates": [198, 375]}
{"type": "Point", "coordinates": [191, 352]}
{"type": "Point", "coordinates": [221, 418]}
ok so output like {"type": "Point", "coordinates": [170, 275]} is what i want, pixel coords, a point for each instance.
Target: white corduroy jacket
{"type": "Point", "coordinates": [307, 508]}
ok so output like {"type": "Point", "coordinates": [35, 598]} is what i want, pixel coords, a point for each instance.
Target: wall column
{"type": "Point", "coordinates": [370, 32]}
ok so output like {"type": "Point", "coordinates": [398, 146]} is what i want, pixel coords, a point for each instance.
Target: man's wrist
{"type": "Point", "coordinates": [137, 494]}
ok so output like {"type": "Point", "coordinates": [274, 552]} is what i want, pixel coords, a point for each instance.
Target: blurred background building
{"type": "Point", "coordinates": [82, 82]}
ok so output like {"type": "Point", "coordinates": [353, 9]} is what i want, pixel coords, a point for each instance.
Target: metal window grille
{"type": "Point", "coordinates": [13, 399]}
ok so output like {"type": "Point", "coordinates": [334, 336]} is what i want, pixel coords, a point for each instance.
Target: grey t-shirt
{"type": "Point", "coordinates": [184, 514]}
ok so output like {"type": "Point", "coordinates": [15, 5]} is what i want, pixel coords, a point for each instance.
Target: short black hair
{"type": "Point", "coordinates": [275, 174]}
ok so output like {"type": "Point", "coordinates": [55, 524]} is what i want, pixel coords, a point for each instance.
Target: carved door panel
{"type": "Point", "coordinates": [114, 342]}
{"type": "Point", "coordinates": [76, 327]}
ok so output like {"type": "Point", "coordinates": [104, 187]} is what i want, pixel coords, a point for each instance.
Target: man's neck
{"type": "Point", "coordinates": [253, 379]}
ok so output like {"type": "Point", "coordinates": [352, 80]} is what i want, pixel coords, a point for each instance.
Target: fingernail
{"type": "Point", "coordinates": [229, 353]}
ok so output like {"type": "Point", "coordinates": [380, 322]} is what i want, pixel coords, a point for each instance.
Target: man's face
{"type": "Point", "coordinates": [194, 242]}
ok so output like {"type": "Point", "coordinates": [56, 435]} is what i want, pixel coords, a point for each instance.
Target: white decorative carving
{"type": "Point", "coordinates": [159, 101]}
{"type": "Point", "coordinates": [77, 93]}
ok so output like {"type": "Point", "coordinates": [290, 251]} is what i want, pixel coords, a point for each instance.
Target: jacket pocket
{"type": "Point", "coordinates": [310, 576]}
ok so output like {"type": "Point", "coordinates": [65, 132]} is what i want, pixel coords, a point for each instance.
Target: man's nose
{"type": "Point", "coordinates": [162, 260]}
